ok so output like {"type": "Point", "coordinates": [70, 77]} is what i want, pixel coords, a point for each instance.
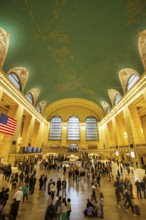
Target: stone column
{"type": "Point", "coordinates": [136, 125]}
{"type": "Point", "coordinates": [128, 124]}
{"type": "Point", "coordinates": [127, 120]}
{"type": "Point", "coordinates": [83, 135]}
{"type": "Point", "coordinates": [17, 136]}
{"type": "Point", "coordinates": [45, 134]}
{"type": "Point", "coordinates": [64, 134]}
{"type": "Point", "coordinates": [106, 137]}
{"type": "Point", "coordinates": [115, 134]}
{"type": "Point", "coordinates": [121, 139]}
{"type": "Point", "coordinates": [101, 136]}
{"type": "Point", "coordinates": [35, 133]}
{"type": "Point", "coordinates": [110, 134]}
{"type": "Point", "coordinates": [28, 130]}
{"type": "Point", "coordinates": [39, 135]}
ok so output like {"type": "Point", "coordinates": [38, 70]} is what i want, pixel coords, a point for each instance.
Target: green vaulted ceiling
{"type": "Point", "coordinates": [73, 48]}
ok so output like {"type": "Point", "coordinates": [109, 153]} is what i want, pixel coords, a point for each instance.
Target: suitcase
{"type": "Point", "coordinates": [137, 210]}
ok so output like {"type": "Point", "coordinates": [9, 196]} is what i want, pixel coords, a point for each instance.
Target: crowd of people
{"type": "Point", "coordinates": [124, 191]}
{"type": "Point", "coordinates": [59, 202]}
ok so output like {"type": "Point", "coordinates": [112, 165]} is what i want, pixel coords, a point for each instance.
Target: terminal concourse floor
{"type": "Point", "coordinates": [34, 208]}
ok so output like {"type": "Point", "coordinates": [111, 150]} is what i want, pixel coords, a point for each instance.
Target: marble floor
{"type": "Point", "coordinates": [34, 208]}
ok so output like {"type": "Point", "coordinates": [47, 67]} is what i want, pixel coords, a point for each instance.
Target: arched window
{"type": "Point", "coordinates": [132, 80]}
{"type": "Point", "coordinates": [117, 98]}
{"type": "Point", "coordinates": [39, 109]}
{"type": "Point", "coordinates": [55, 128]}
{"type": "Point", "coordinates": [15, 80]}
{"type": "Point", "coordinates": [91, 129]}
{"type": "Point", "coordinates": [73, 128]}
{"type": "Point", "coordinates": [108, 109]}
{"type": "Point", "coordinates": [30, 98]}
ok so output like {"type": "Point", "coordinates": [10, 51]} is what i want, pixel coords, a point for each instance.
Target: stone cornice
{"type": "Point", "coordinates": [127, 99]}
{"type": "Point", "coordinates": [19, 98]}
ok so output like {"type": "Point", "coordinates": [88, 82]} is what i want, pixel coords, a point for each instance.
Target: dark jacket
{"type": "Point", "coordinates": [14, 209]}
{"type": "Point", "coordinates": [49, 215]}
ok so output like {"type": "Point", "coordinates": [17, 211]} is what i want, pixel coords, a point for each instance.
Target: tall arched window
{"type": "Point", "coordinates": [108, 109]}
{"type": "Point", "coordinates": [15, 80]}
{"type": "Point", "coordinates": [30, 98]}
{"type": "Point", "coordinates": [91, 129]}
{"type": "Point", "coordinates": [55, 128]}
{"type": "Point", "coordinates": [38, 108]}
{"type": "Point", "coordinates": [117, 98]}
{"type": "Point", "coordinates": [73, 128]}
{"type": "Point", "coordinates": [132, 80]}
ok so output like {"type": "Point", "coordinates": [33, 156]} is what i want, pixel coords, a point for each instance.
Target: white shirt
{"type": "Point", "coordinates": [63, 208]}
{"type": "Point", "coordinates": [93, 187]}
{"type": "Point", "coordinates": [18, 195]}
{"type": "Point", "coordinates": [53, 188]}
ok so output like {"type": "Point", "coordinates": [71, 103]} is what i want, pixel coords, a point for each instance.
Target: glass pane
{"type": "Point", "coordinates": [73, 128]}
{"type": "Point", "coordinates": [15, 80]}
{"type": "Point", "coordinates": [91, 129]}
{"type": "Point", "coordinates": [117, 98]}
{"type": "Point", "coordinates": [29, 97]}
{"type": "Point", "coordinates": [133, 79]}
{"type": "Point", "coordinates": [55, 128]}
{"type": "Point", "coordinates": [38, 108]}
{"type": "Point", "coordinates": [108, 109]}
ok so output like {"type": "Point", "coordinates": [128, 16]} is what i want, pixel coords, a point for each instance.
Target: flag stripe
{"type": "Point", "coordinates": [7, 124]}
{"type": "Point", "coordinates": [11, 126]}
{"type": "Point", "coordinates": [4, 128]}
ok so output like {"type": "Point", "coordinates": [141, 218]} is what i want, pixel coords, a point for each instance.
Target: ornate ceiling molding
{"type": "Point", "coordinates": [19, 97]}
{"type": "Point", "coordinates": [104, 105]}
{"type": "Point", "coordinates": [4, 44]}
{"type": "Point", "coordinates": [124, 75]}
{"type": "Point", "coordinates": [112, 94]}
{"type": "Point", "coordinates": [22, 73]}
{"type": "Point", "coordinates": [127, 99]}
{"type": "Point", "coordinates": [42, 105]}
{"type": "Point", "coordinates": [74, 102]}
{"type": "Point", "coordinates": [35, 93]}
{"type": "Point", "coordinates": [142, 47]}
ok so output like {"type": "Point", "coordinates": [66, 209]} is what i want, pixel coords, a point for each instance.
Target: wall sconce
{"type": "Point", "coordinates": [132, 154]}
{"type": "Point", "coordinates": [125, 135]}
{"type": "Point", "coordinates": [19, 140]}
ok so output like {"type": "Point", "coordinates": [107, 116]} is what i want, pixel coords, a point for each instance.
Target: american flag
{"type": "Point", "coordinates": [7, 124]}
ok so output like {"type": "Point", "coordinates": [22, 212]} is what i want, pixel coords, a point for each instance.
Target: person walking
{"type": "Point", "coordinates": [64, 185]}
{"type": "Point", "coordinates": [138, 189]}
{"type": "Point", "coordinates": [64, 209]}
{"type": "Point", "coordinates": [68, 208]}
{"type": "Point", "coordinates": [58, 185]}
{"type": "Point", "coordinates": [58, 208]}
{"type": "Point", "coordinates": [13, 210]}
{"type": "Point", "coordinates": [49, 214]}
{"type": "Point", "coordinates": [118, 196]}
{"type": "Point", "coordinates": [18, 195]}
{"type": "Point", "coordinates": [25, 190]}
{"type": "Point", "coordinates": [41, 181]}
{"type": "Point", "coordinates": [101, 202]}
{"type": "Point", "coordinates": [52, 190]}
{"type": "Point", "coordinates": [45, 181]}
{"type": "Point", "coordinates": [128, 198]}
